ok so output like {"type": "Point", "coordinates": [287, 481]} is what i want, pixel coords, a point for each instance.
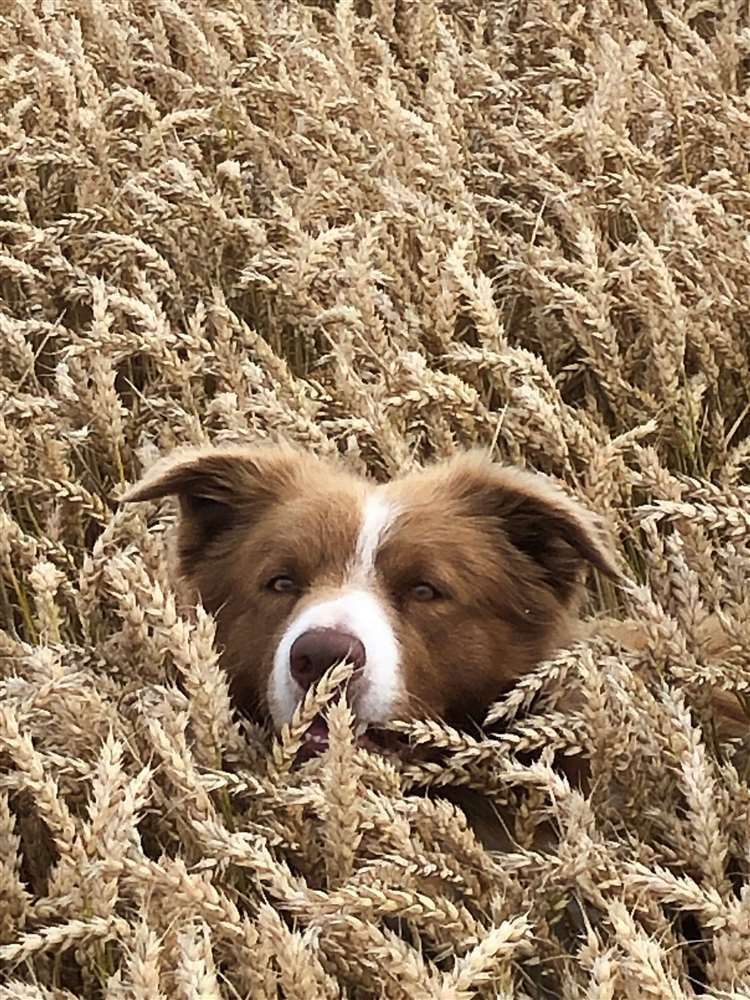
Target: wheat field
{"type": "Point", "coordinates": [389, 230]}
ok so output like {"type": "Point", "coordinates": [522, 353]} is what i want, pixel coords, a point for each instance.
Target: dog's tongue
{"type": "Point", "coordinates": [317, 733]}
{"type": "Point", "coordinates": [315, 740]}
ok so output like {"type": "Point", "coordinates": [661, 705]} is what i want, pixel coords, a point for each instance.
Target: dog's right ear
{"type": "Point", "coordinates": [218, 488]}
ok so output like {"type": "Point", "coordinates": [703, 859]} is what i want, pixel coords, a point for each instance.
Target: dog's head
{"type": "Point", "coordinates": [442, 587]}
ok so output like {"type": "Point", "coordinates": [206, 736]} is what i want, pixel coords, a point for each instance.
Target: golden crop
{"type": "Point", "coordinates": [391, 229]}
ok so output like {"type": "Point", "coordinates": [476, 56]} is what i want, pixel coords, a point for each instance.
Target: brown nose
{"type": "Point", "coordinates": [315, 651]}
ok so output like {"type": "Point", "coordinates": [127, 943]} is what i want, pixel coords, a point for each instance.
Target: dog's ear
{"type": "Point", "coordinates": [218, 488]}
{"type": "Point", "coordinates": [559, 535]}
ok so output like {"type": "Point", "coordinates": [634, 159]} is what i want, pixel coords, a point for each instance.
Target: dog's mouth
{"type": "Point", "coordinates": [315, 740]}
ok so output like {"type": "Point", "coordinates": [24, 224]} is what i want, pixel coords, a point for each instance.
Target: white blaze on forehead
{"type": "Point", "coordinates": [377, 517]}
{"type": "Point", "coordinates": [359, 610]}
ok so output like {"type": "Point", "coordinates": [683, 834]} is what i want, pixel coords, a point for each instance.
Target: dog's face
{"type": "Point", "coordinates": [442, 587]}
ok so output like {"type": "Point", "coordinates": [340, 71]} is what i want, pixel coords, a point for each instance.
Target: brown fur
{"type": "Point", "coordinates": [510, 551]}
{"type": "Point", "coordinates": [506, 548]}
{"type": "Point", "coordinates": [247, 515]}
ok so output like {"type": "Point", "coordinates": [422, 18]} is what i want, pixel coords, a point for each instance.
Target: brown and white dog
{"type": "Point", "coordinates": [442, 587]}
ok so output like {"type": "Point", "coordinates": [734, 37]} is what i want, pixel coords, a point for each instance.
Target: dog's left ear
{"type": "Point", "coordinates": [539, 521]}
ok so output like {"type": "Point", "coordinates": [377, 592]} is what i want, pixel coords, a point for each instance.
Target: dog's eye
{"type": "Point", "coordinates": [425, 592]}
{"type": "Point", "coordinates": [282, 585]}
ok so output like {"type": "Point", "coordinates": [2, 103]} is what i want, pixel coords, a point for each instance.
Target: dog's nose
{"type": "Point", "coordinates": [315, 651]}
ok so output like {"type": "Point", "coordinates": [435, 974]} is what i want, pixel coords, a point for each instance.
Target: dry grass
{"type": "Point", "coordinates": [390, 229]}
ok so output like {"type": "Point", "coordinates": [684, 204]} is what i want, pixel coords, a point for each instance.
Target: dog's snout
{"type": "Point", "coordinates": [317, 650]}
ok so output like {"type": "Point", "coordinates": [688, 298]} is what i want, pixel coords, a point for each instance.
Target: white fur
{"type": "Point", "coordinates": [377, 517]}
{"type": "Point", "coordinates": [358, 610]}
{"type": "Point", "coordinates": [361, 613]}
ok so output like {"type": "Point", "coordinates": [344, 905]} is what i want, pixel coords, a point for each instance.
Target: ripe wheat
{"type": "Point", "coordinates": [390, 230]}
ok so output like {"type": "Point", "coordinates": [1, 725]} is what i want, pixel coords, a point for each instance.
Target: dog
{"type": "Point", "coordinates": [442, 588]}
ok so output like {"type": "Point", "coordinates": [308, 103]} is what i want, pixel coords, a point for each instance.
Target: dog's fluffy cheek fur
{"type": "Point", "coordinates": [244, 635]}
{"type": "Point", "coordinates": [245, 656]}
{"type": "Point", "coordinates": [457, 662]}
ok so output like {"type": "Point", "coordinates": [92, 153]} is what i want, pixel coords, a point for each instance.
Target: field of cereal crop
{"type": "Point", "coordinates": [391, 230]}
